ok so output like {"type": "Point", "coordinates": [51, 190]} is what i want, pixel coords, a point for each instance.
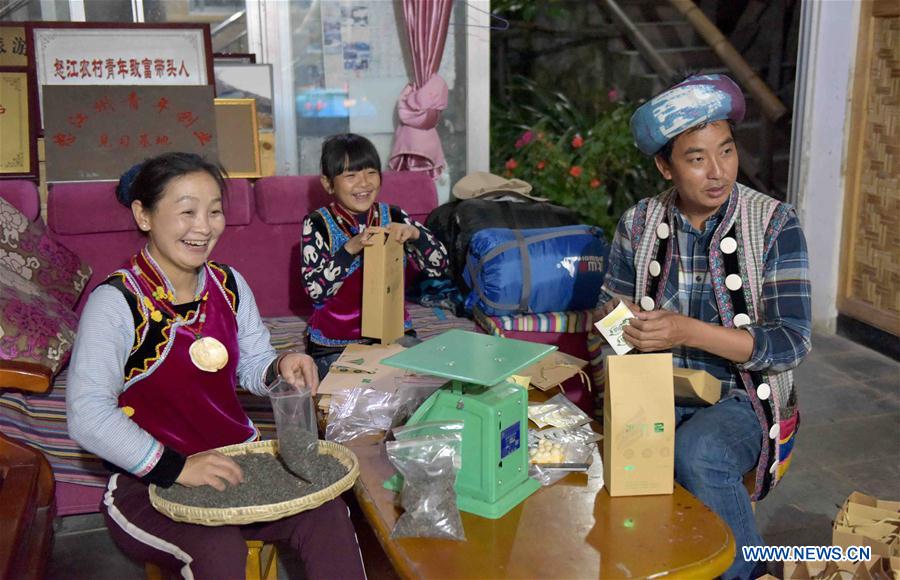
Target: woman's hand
{"type": "Point", "coordinates": [658, 330]}
{"type": "Point", "coordinates": [210, 468]}
{"type": "Point", "coordinates": [364, 238]}
{"type": "Point", "coordinates": [403, 232]}
{"type": "Point", "coordinates": [299, 370]}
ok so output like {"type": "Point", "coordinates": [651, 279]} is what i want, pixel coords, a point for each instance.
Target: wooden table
{"type": "Point", "coordinates": [572, 529]}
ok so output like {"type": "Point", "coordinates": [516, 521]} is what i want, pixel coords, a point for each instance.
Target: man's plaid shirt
{"type": "Point", "coordinates": [780, 340]}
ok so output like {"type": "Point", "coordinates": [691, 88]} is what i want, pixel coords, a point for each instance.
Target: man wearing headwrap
{"type": "Point", "coordinates": [717, 273]}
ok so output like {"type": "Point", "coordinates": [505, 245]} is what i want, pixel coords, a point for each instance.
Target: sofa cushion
{"type": "Point", "coordinates": [288, 199]}
{"type": "Point", "coordinates": [34, 326]}
{"type": "Point", "coordinates": [90, 207]}
{"type": "Point", "coordinates": [29, 253]}
{"type": "Point", "coordinates": [23, 195]}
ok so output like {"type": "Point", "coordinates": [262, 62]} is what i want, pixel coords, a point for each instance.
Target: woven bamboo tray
{"type": "Point", "coordinates": [262, 513]}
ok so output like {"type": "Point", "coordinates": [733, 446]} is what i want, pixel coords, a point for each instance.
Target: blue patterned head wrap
{"type": "Point", "coordinates": [123, 189]}
{"type": "Point", "coordinates": [696, 100]}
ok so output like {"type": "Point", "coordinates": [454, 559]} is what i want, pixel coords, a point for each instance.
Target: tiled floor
{"type": "Point", "coordinates": [849, 440]}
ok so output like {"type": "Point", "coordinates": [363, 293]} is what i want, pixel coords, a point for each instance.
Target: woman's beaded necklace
{"type": "Point", "coordinates": [206, 352]}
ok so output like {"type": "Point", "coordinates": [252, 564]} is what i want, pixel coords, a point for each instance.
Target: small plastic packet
{"type": "Point", "coordinates": [581, 434]}
{"type": "Point", "coordinates": [557, 411]}
{"type": "Point", "coordinates": [429, 466]}
{"type": "Point", "coordinates": [357, 412]}
{"type": "Point", "coordinates": [428, 429]}
{"type": "Point", "coordinates": [554, 453]}
{"type": "Point", "coordinates": [295, 426]}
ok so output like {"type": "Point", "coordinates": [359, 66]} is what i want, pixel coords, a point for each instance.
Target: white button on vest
{"type": "Point", "coordinates": [774, 467]}
{"type": "Point", "coordinates": [655, 268]}
{"type": "Point", "coordinates": [728, 245]}
{"type": "Point", "coordinates": [741, 320]}
{"type": "Point", "coordinates": [774, 431]}
{"type": "Point", "coordinates": [733, 282]}
{"type": "Point", "coordinates": [763, 391]}
{"type": "Point", "coordinates": [647, 303]}
{"type": "Point", "coordinates": [662, 231]}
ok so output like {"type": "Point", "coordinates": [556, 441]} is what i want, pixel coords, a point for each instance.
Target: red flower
{"type": "Point", "coordinates": [526, 138]}
{"type": "Point", "coordinates": [575, 171]}
{"type": "Point", "coordinates": [511, 164]}
{"type": "Point", "coordinates": [595, 183]}
{"type": "Point", "coordinates": [541, 165]}
{"type": "Point", "coordinates": [577, 141]}
{"type": "Point", "coordinates": [613, 95]}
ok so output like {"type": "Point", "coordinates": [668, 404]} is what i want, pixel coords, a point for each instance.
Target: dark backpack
{"type": "Point", "coordinates": [455, 222]}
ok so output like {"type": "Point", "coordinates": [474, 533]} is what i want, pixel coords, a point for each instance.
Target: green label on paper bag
{"type": "Point", "coordinates": [659, 427]}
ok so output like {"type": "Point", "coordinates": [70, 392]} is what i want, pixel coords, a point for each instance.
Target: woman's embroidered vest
{"type": "Point", "coordinates": [738, 247]}
{"type": "Point", "coordinates": [185, 408]}
{"type": "Point", "coordinates": [337, 321]}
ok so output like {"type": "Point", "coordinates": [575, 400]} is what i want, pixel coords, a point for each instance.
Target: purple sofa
{"type": "Point", "coordinates": [261, 240]}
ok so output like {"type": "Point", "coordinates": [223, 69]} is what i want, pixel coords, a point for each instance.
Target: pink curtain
{"type": "Point", "coordinates": [417, 146]}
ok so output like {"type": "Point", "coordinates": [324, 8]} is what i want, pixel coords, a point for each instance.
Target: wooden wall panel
{"type": "Point", "coordinates": [870, 264]}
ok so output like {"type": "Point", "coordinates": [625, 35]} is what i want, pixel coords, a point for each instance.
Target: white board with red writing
{"type": "Point", "coordinates": [95, 133]}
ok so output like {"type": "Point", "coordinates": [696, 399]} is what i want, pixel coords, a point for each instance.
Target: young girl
{"type": "Point", "coordinates": [160, 348]}
{"type": "Point", "coordinates": [334, 236]}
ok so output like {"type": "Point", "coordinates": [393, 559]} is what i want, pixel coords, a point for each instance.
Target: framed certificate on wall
{"type": "Point", "coordinates": [17, 143]}
{"type": "Point", "coordinates": [70, 53]}
{"type": "Point", "coordinates": [238, 137]}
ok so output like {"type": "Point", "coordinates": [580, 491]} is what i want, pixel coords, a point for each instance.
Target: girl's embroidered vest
{"type": "Point", "coordinates": [185, 408]}
{"type": "Point", "coordinates": [752, 220]}
{"type": "Point", "coordinates": [337, 320]}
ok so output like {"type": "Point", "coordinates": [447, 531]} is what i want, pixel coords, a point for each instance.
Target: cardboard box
{"type": "Point", "coordinates": [639, 425]}
{"type": "Point", "coordinates": [695, 388]}
{"type": "Point", "coordinates": [382, 303]}
{"type": "Point", "coordinates": [867, 521]}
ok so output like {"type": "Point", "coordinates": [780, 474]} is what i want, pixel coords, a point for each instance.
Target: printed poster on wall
{"type": "Point", "coordinates": [95, 133]}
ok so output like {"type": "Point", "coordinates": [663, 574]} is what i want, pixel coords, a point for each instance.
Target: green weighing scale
{"type": "Point", "coordinates": [494, 474]}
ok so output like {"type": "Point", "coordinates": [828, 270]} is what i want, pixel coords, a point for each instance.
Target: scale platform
{"type": "Point", "coordinates": [493, 478]}
{"type": "Point", "coordinates": [470, 357]}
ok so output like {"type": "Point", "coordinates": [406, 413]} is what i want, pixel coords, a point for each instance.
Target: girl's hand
{"type": "Point", "coordinates": [210, 468]}
{"type": "Point", "coordinates": [300, 371]}
{"type": "Point", "coordinates": [403, 232]}
{"type": "Point", "coordinates": [365, 238]}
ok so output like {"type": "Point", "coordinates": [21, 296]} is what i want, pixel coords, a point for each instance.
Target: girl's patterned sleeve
{"type": "Point", "coordinates": [323, 271]}
{"type": "Point", "coordinates": [428, 253]}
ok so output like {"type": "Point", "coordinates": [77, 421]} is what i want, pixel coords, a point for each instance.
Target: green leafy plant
{"type": "Point", "coordinates": [587, 163]}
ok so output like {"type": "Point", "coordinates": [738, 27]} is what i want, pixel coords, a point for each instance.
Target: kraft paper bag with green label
{"type": "Point", "coordinates": [639, 425]}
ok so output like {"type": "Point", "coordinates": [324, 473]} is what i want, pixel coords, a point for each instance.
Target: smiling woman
{"type": "Point", "coordinates": [161, 348]}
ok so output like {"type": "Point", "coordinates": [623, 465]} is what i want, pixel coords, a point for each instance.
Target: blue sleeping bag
{"type": "Point", "coordinates": [536, 270]}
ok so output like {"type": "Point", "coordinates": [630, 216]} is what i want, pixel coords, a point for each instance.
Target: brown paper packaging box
{"type": "Point", "coordinates": [382, 303]}
{"type": "Point", "coordinates": [639, 425]}
{"type": "Point", "coordinates": [696, 388]}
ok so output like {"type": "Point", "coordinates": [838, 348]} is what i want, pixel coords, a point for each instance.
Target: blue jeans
{"type": "Point", "coordinates": [714, 447]}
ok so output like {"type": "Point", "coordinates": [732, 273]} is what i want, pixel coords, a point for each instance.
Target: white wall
{"type": "Point", "coordinates": [818, 150]}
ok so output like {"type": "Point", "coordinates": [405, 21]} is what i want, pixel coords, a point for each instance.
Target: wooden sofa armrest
{"type": "Point", "coordinates": [24, 376]}
{"type": "Point", "coordinates": [27, 505]}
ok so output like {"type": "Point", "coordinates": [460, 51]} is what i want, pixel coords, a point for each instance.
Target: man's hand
{"type": "Point", "coordinates": [210, 468]}
{"type": "Point", "coordinates": [403, 232]}
{"type": "Point", "coordinates": [658, 330]}
{"type": "Point", "coordinates": [300, 371]}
